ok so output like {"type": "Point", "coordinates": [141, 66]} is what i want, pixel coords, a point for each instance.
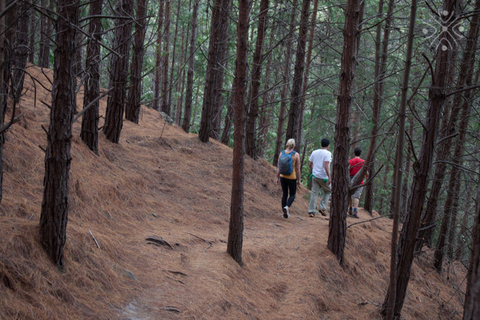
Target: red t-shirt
{"type": "Point", "coordinates": [355, 165]}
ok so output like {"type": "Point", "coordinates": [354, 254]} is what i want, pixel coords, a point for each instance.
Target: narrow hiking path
{"type": "Point", "coordinates": [282, 276]}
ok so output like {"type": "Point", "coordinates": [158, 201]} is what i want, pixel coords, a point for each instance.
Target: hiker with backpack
{"type": "Point", "coordinates": [320, 160]}
{"type": "Point", "coordinates": [288, 175]}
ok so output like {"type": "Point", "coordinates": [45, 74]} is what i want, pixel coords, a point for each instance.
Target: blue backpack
{"type": "Point", "coordinates": [285, 163]}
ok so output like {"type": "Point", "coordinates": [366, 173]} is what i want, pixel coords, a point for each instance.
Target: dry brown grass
{"type": "Point", "coordinates": [162, 182]}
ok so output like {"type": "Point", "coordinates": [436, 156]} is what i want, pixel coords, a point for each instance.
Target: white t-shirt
{"type": "Point", "coordinates": [318, 157]}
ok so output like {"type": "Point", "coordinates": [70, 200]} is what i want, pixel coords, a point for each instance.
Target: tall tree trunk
{"type": "Point", "coordinates": [388, 307]}
{"type": "Point", "coordinates": [267, 108]}
{"type": "Point", "coordinates": [54, 214]}
{"type": "Point", "coordinates": [252, 114]}
{"type": "Point", "coordinates": [286, 81]}
{"type": "Point", "coordinates": [235, 233]}
{"type": "Point", "coordinates": [191, 64]}
{"type": "Point", "coordinates": [337, 229]}
{"type": "Point", "coordinates": [406, 173]}
{"type": "Point", "coordinates": [220, 69]}
{"type": "Point", "coordinates": [89, 131]}
{"type": "Point", "coordinates": [181, 81]}
{"type": "Point", "coordinates": [45, 34]}
{"type": "Point", "coordinates": [306, 75]}
{"type": "Point", "coordinates": [20, 51]}
{"type": "Point", "coordinates": [471, 310]}
{"type": "Point", "coordinates": [158, 59]}
{"type": "Point", "coordinates": [166, 46]}
{"type": "Point", "coordinates": [214, 74]}
{"type": "Point", "coordinates": [227, 128]}
{"type": "Point", "coordinates": [4, 80]}
{"type": "Point", "coordinates": [174, 57]}
{"type": "Point", "coordinates": [296, 96]}
{"type": "Point", "coordinates": [32, 36]}
{"type": "Point", "coordinates": [462, 236]}
{"type": "Point", "coordinates": [465, 77]}
{"type": "Point", "coordinates": [451, 202]}
{"type": "Point", "coordinates": [437, 96]}
{"type": "Point", "coordinates": [119, 72]}
{"type": "Point", "coordinates": [380, 71]}
{"type": "Point", "coordinates": [132, 109]}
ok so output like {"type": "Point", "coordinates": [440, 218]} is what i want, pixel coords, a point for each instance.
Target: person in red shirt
{"type": "Point", "coordinates": [355, 165]}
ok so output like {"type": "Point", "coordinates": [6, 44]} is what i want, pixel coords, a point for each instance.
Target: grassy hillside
{"type": "Point", "coordinates": [161, 182]}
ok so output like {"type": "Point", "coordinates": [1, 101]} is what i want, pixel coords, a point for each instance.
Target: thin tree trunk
{"type": "Point", "coordinates": [306, 74]}
{"type": "Point", "coordinates": [235, 234]}
{"type": "Point", "coordinates": [191, 64]}
{"type": "Point", "coordinates": [132, 109]}
{"type": "Point", "coordinates": [180, 82]}
{"type": "Point", "coordinates": [20, 51]}
{"type": "Point", "coordinates": [220, 70]}
{"type": "Point", "coordinates": [380, 68]}
{"type": "Point", "coordinates": [174, 56]}
{"type": "Point", "coordinates": [166, 46]}
{"type": "Point", "coordinates": [206, 122]}
{"type": "Point", "coordinates": [4, 80]}
{"type": "Point", "coordinates": [337, 228]}
{"type": "Point", "coordinates": [286, 81]}
{"type": "Point", "coordinates": [462, 236]}
{"type": "Point", "coordinates": [388, 308]}
{"type": "Point", "coordinates": [33, 37]}
{"type": "Point", "coordinates": [406, 247]}
{"type": "Point", "coordinates": [45, 34]}
{"type": "Point", "coordinates": [465, 77]}
{"type": "Point", "coordinates": [252, 115]}
{"type": "Point", "coordinates": [471, 310]}
{"type": "Point", "coordinates": [119, 72]}
{"type": "Point", "coordinates": [296, 96]}
{"type": "Point", "coordinates": [158, 59]}
{"type": "Point", "coordinates": [451, 203]}
{"type": "Point", "coordinates": [89, 131]}
{"type": "Point", "coordinates": [54, 214]}
{"type": "Point", "coordinates": [227, 127]}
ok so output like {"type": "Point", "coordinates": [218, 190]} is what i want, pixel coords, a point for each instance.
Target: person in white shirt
{"type": "Point", "coordinates": [320, 160]}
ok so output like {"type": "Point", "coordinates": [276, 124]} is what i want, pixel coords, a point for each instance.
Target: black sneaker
{"type": "Point", "coordinates": [311, 214]}
{"type": "Point", "coordinates": [322, 212]}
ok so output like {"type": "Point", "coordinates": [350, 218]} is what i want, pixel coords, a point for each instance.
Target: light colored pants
{"type": "Point", "coordinates": [317, 185]}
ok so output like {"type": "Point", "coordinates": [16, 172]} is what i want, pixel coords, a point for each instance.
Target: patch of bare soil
{"type": "Point", "coordinates": [166, 186]}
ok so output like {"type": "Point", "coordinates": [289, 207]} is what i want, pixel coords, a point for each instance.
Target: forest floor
{"type": "Point", "coordinates": [162, 182]}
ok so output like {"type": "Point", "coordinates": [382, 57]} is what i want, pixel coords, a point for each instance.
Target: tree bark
{"type": "Point", "coordinates": [45, 34]}
{"type": "Point", "coordinates": [211, 73]}
{"type": "Point", "coordinates": [471, 309]}
{"type": "Point", "coordinates": [380, 71]}
{"type": "Point", "coordinates": [119, 72]}
{"type": "Point", "coordinates": [235, 234]}
{"type": "Point", "coordinates": [89, 131]}
{"type": "Point", "coordinates": [465, 77]}
{"type": "Point", "coordinates": [297, 96]}
{"type": "Point", "coordinates": [158, 59]}
{"type": "Point", "coordinates": [4, 80]}
{"type": "Point", "coordinates": [406, 247]}
{"type": "Point", "coordinates": [252, 115]}
{"type": "Point", "coordinates": [166, 46]}
{"type": "Point", "coordinates": [20, 51]}
{"type": "Point", "coordinates": [54, 214]}
{"type": "Point", "coordinates": [132, 109]}
{"type": "Point", "coordinates": [286, 81]}
{"type": "Point", "coordinates": [191, 64]}
{"type": "Point", "coordinates": [337, 229]}
{"type": "Point", "coordinates": [451, 203]}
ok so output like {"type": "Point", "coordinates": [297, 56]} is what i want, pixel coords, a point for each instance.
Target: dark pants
{"type": "Point", "coordinates": [288, 185]}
